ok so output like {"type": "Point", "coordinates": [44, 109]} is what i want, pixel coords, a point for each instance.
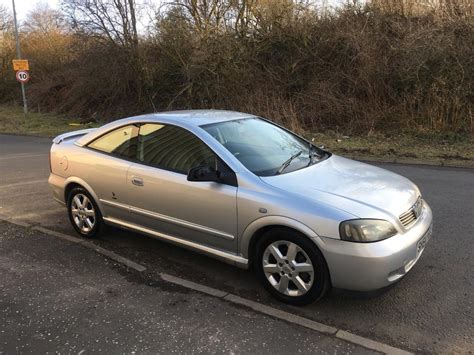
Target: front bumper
{"type": "Point", "coordinates": [371, 266]}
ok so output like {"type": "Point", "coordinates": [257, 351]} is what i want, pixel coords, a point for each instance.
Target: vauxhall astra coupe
{"type": "Point", "coordinates": [246, 191]}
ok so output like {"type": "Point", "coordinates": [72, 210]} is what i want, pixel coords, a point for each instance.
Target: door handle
{"type": "Point", "coordinates": [137, 181]}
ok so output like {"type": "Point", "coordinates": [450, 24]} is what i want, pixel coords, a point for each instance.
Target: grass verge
{"type": "Point", "coordinates": [13, 121]}
{"type": "Point", "coordinates": [450, 150]}
{"type": "Point", "coordinates": [433, 149]}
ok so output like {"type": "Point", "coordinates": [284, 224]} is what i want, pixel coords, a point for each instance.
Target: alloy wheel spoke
{"type": "Point", "coordinates": [89, 213]}
{"type": "Point", "coordinates": [85, 202]}
{"type": "Point", "coordinates": [303, 267]}
{"type": "Point", "coordinates": [283, 284]}
{"type": "Point", "coordinates": [300, 284]}
{"type": "Point", "coordinates": [271, 268]}
{"type": "Point", "coordinates": [77, 201]}
{"type": "Point", "coordinates": [276, 253]}
{"type": "Point", "coordinates": [89, 223]}
{"type": "Point", "coordinates": [292, 251]}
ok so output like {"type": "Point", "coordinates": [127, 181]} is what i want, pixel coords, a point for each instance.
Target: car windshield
{"type": "Point", "coordinates": [264, 148]}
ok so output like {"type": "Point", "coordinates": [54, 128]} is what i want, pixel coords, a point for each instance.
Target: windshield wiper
{"type": "Point", "coordinates": [288, 162]}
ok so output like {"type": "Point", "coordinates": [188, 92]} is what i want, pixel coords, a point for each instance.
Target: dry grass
{"type": "Point", "coordinates": [407, 146]}
{"type": "Point", "coordinates": [416, 147]}
{"type": "Point", "coordinates": [13, 121]}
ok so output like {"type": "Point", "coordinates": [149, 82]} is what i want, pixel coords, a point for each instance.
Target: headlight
{"type": "Point", "coordinates": [366, 230]}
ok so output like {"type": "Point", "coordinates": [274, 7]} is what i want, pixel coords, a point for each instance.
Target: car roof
{"type": "Point", "coordinates": [181, 118]}
{"type": "Point", "coordinates": [198, 117]}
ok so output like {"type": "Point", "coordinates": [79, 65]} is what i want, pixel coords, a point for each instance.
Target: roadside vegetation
{"type": "Point", "coordinates": [13, 121]}
{"type": "Point", "coordinates": [391, 71]}
{"type": "Point", "coordinates": [437, 149]}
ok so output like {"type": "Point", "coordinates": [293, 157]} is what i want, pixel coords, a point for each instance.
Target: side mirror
{"type": "Point", "coordinates": [203, 173]}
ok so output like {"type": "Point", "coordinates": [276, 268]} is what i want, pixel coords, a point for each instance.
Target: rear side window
{"type": "Point", "coordinates": [172, 148]}
{"type": "Point", "coordinates": [121, 142]}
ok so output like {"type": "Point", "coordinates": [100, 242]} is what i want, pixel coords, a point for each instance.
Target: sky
{"type": "Point", "coordinates": [25, 6]}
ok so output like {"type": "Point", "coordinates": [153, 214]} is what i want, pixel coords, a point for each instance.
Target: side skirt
{"type": "Point", "coordinates": [215, 253]}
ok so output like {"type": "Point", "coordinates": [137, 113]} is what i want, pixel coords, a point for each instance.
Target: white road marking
{"type": "Point", "coordinates": [286, 316]}
{"type": "Point", "coordinates": [35, 215]}
{"type": "Point", "coordinates": [22, 156]}
{"type": "Point", "coordinates": [194, 286]}
{"type": "Point", "coordinates": [31, 182]}
{"type": "Point", "coordinates": [369, 343]}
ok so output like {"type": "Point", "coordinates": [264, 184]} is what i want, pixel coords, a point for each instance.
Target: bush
{"type": "Point", "coordinates": [386, 65]}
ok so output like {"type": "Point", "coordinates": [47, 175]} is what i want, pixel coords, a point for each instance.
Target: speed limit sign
{"type": "Point", "coordinates": [22, 76]}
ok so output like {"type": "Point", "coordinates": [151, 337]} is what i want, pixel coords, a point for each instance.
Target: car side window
{"type": "Point", "coordinates": [121, 142]}
{"type": "Point", "coordinates": [172, 148]}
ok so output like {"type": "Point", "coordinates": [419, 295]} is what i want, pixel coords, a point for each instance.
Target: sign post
{"type": "Point", "coordinates": [18, 53]}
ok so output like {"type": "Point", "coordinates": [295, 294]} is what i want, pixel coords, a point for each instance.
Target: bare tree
{"type": "Point", "coordinates": [206, 16]}
{"type": "Point", "coordinates": [43, 20]}
{"type": "Point", "coordinates": [114, 20]}
{"type": "Point", "coordinates": [47, 38]}
{"type": "Point", "coordinates": [242, 17]}
{"type": "Point", "coordinates": [5, 19]}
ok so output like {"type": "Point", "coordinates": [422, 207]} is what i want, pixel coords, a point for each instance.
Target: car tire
{"type": "Point", "coordinates": [295, 271]}
{"type": "Point", "coordinates": [84, 214]}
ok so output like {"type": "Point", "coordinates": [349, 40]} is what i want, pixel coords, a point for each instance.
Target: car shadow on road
{"type": "Point", "coordinates": [159, 256]}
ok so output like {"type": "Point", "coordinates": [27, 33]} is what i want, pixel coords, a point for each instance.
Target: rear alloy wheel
{"type": "Point", "coordinates": [291, 267]}
{"type": "Point", "coordinates": [84, 214]}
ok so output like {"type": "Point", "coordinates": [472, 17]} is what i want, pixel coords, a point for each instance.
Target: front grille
{"type": "Point", "coordinates": [410, 216]}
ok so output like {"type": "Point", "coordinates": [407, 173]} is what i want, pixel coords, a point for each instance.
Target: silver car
{"type": "Point", "coordinates": [249, 192]}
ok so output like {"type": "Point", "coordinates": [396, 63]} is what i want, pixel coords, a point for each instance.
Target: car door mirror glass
{"type": "Point", "coordinates": [203, 173]}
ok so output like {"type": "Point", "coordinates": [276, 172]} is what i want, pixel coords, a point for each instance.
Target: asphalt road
{"type": "Point", "coordinates": [59, 297]}
{"type": "Point", "coordinates": [430, 310]}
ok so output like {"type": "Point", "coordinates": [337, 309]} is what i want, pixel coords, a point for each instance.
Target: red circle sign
{"type": "Point", "coordinates": [22, 76]}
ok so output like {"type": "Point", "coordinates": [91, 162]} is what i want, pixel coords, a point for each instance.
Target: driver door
{"type": "Point", "coordinates": [161, 198]}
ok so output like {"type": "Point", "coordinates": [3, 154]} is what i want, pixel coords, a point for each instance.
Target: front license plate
{"type": "Point", "coordinates": [420, 246]}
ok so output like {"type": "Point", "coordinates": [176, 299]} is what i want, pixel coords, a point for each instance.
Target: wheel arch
{"type": "Point", "coordinates": [73, 182]}
{"type": "Point", "coordinates": [256, 229]}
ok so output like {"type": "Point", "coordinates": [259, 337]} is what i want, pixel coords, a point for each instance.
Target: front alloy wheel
{"type": "Point", "coordinates": [288, 268]}
{"type": "Point", "coordinates": [291, 267]}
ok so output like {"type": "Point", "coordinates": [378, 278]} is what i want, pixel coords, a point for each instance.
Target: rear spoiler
{"type": "Point", "coordinates": [73, 134]}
